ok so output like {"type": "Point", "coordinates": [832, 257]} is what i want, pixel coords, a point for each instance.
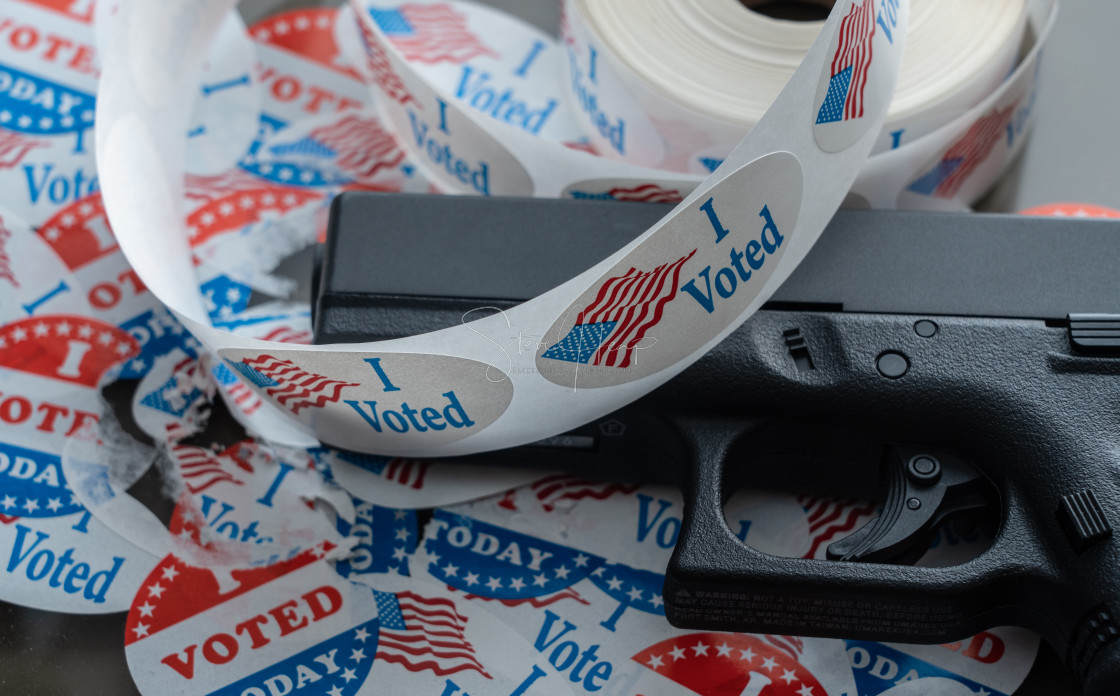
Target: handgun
{"type": "Point", "coordinates": [942, 364]}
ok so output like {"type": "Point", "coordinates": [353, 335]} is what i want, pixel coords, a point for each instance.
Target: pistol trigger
{"type": "Point", "coordinates": [923, 489]}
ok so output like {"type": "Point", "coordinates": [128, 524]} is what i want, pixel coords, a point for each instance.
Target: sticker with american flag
{"type": "Point", "coordinates": [681, 284]}
{"type": "Point", "coordinates": [356, 399]}
{"type": "Point", "coordinates": [855, 86]}
{"type": "Point", "coordinates": [970, 152]}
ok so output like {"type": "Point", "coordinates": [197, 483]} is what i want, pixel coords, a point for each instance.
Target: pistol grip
{"type": "Point", "coordinates": [1034, 575]}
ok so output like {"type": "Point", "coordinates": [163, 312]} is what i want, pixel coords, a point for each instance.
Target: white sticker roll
{"type": "Point", "coordinates": [434, 394]}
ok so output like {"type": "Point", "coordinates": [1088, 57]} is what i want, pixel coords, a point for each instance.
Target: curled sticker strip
{"type": "Point", "coordinates": [433, 394]}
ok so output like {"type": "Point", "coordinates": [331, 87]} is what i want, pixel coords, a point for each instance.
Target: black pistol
{"type": "Point", "coordinates": [943, 364]}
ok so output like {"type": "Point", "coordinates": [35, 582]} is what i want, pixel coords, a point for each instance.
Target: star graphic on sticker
{"type": "Point", "coordinates": [62, 328]}
{"type": "Point", "coordinates": [349, 675]}
{"type": "Point", "coordinates": [562, 572]}
{"type": "Point", "coordinates": [361, 634]}
{"type": "Point", "coordinates": [8, 502]}
{"type": "Point", "coordinates": [655, 661]}
{"type": "Point", "coordinates": [540, 580]}
{"type": "Point", "coordinates": [494, 584]}
{"type": "Point", "coordinates": [471, 579]}
{"type": "Point", "coordinates": [145, 609]}
{"type": "Point", "coordinates": [336, 691]}
{"type": "Point", "coordinates": [700, 649]}
{"type": "Point", "coordinates": [450, 569]}
{"type": "Point", "coordinates": [31, 505]}
{"type": "Point", "coordinates": [402, 534]}
{"type": "Point", "coordinates": [307, 177]}
{"type": "Point", "coordinates": [155, 590]}
{"type": "Point", "coordinates": [285, 174]}
{"type": "Point", "coordinates": [19, 334]}
{"type": "Point", "coordinates": [747, 655]}
{"type": "Point", "coordinates": [41, 329]}
{"type": "Point", "coordinates": [434, 557]}
{"type": "Point", "coordinates": [226, 209]}
{"type": "Point", "coordinates": [123, 348]}
{"type": "Point", "coordinates": [399, 553]}
{"type": "Point", "coordinates": [400, 514]}
{"type": "Point", "coordinates": [67, 220]}
{"type": "Point", "coordinates": [805, 691]}
{"type": "Point", "coordinates": [52, 233]}
{"type": "Point", "coordinates": [517, 584]}
{"type": "Point", "coordinates": [54, 504]}
{"type": "Point", "coordinates": [85, 210]}
{"type": "Point", "coordinates": [290, 200]}
{"type": "Point", "coordinates": [105, 338]}
{"type": "Point", "coordinates": [598, 572]}
{"type": "Point", "coordinates": [282, 28]}
{"type": "Point", "coordinates": [677, 653]}
{"type": "Point", "coordinates": [581, 560]}
{"type": "Point", "coordinates": [185, 535]}
{"type": "Point", "coordinates": [85, 331]}
{"type": "Point", "coordinates": [983, 692]}
{"type": "Point", "coordinates": [724, 650]}
{"type": "Point", "coordinates": [247, 202]}
{"type": "Point", "coordinates": [141, 630]}
{"type": "Point", "coordinates": [614, 583]}
{"type": "Point", "coordinates": [303, 23]}
{"type": "Point", "coordinates": [788, 676]}
{"type": "Point", "coordinates": [207, 219]}
{"type": "Point", "coordinates": [634, 594]}
{"type": "Point", "coordinates": [323, 22]}
{"type": "Point", "coordinates": [769, 664]}
{"type": "Point", "coordinates": [267, 199]}
{"type": "Point", "coordinates": [357, 655]}
{"type": "Point", "coordinates": [169, 573]}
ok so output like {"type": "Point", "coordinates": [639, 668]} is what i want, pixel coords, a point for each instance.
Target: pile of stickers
{"type": "Point", "coordinates": [251, 569]}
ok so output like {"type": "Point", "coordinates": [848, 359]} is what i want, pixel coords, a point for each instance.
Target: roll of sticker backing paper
{"type": "Point", "coordinates": [437, 394]}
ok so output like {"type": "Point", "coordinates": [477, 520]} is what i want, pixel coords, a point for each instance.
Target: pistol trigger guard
{"type": "Point", "coordinates": [923, 490]}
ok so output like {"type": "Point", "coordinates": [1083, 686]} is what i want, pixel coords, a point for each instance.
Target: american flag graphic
{"type": "Point", "coordinates": [625, 308]}
{"type": "Point", "coordinates": [424, 633]}
{"type": "Point", "coordinates": [202, 469]}
{"type": "Point", "coordinates": [535, 602]}
{"type": "Point", "coordinates": [381, 67]}
{"type": "Point", "coordinates": [832, 519]}
{"type": "Point", "coordinates": [790, 645]}
{"type": "Point", "coordinates": [286, 334]}
{"type": "Point", "coordinates": [550, 490]}
{"type": "Point", "coordinates": [646, 193]}
{"type": "Point", "coordinates": [850, 66]}
{"type": "Point", "coordinates": [362, 147]}
{"type": "Point", "coordinates": [292, 387]}
{"type": "Point", "coordinates": [208, 188]}
{"type": "Point", "coordinates": [964, 156]}
{"type": "Point", "coordinates": [6, 272]}
{"type": "Point", "coordinates": [430, 33]}
{"type": "Point", "coordinates": [407, 472]}
{"type": "Point", "coordinates": [14, 147]}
